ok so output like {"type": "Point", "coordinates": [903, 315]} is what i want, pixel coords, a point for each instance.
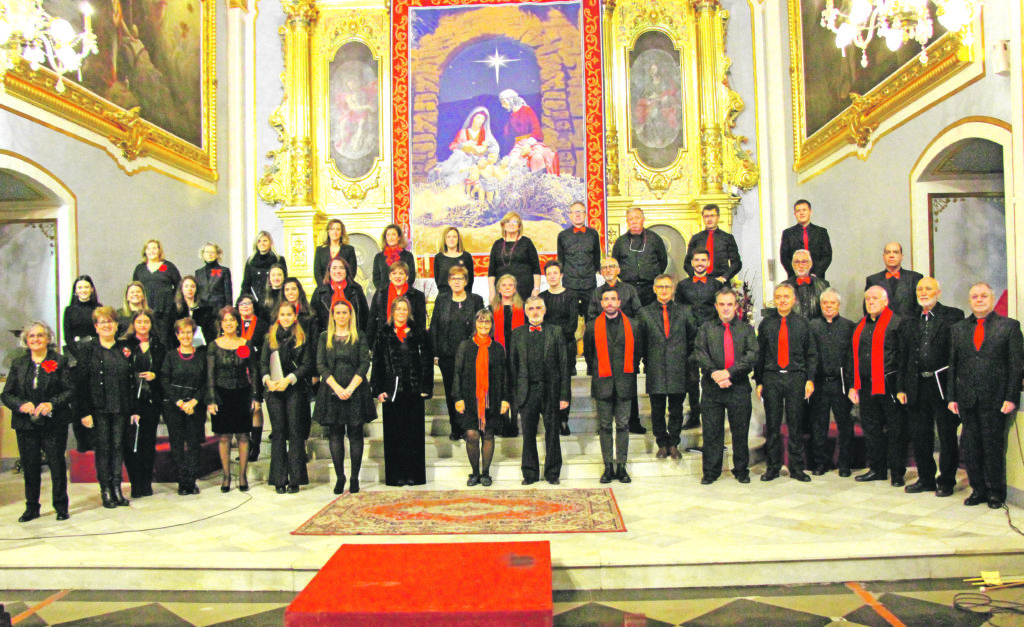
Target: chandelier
{"type": "Point", "coordinates": [28, 32]}
{"type": "Point", "coordinates": [897, 22]}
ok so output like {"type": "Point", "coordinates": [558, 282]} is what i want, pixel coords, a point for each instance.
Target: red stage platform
{"type": "Point", "coordinates": [488, 584]}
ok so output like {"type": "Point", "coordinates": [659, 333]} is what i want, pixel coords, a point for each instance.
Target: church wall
{"type": "Point", "coordinates": [269, 66]}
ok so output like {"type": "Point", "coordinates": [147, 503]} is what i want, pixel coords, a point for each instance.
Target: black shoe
{"type": "Point", "coordinates": [485, 480]}
{"type": "Point", "coordinates": [770, 475]}
{"type": "Point", "coordinates": [107, 495]}
{"type": "Point", "coordinates": [243, 485]}
{"type": "Point", "coordinates": [146, 490]}
{"type": "Point", "coordinates": [183, 490]}
{"type": "Point", "coordinates": [918, 487]}
{"type": "Point", "coordinates": [706, 480]}
{"type": "Point", "coordinates": [564, 429]}
{"type": "Point", "coordinates": [353, 486]}
{"type": "Point", "coordinates": [743, 478]}
{"type": "Point", "coordinates": [62, 512]}
{"type": "Point", "coordinates": [528, 481]}
{"type": "Point", "coordinates": [897, 482]}
{"type": "Point", "coordinates": [193, 489]}
{"type": "Point", "coordinates": [994, 502]}
{"type": "Point", "coordinates": [554, 481]}
{"type": "Point", "coordinates": [673, 452]}
{"type": "Point", "coordinates": [225, 483]}
{"type": "Point", "coordinates": [119, 497]}
{"type": "Point", "coordinates": [691, 424]}
{"type": "Point", "coordinates": [799, 475]}
{"type": "Point", "coordinates": [280, 489]}
{"type": "Point", "coordinates": [623, 476]}
{"type": "Point", "coordinates": [339, 485]}
{"type": "Point", "coordinates": [637, 428]}
{"type": "Point", "coordinates": [871, 475]}
{"type": "Point", "coordinates": [844, 472]}
{"type": "Point", "coordinates": [293, 489]}
{"type": "Point", "coordinates": [31, 513]}
{"type": "Point", "coordinates": [976, 498]}
{"type": "Point", "coordinates": [943, 492]}
{"type": "Point", "coordinates": [819, 471]}
{"type": "Point", "coordinates": [473, 480]}
{"type": "Point", "coordinates": [609, 473]}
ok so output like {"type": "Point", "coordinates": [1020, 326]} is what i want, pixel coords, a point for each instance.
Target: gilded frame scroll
{"type": "Point", "coordinates": [136, 142]}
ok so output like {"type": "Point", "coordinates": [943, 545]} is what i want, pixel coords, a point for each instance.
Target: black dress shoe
{"type": "Point", "coordinates": [994, 502]}
{"type": "Point", "coordinates": [473, 480]}
{"type": "Point", "coordinates": [339, 485]}
{"type": "Point", "coordinates": [293, 489]}
{"type": "Point", "coordinates": [918, 487]}
{"type": "Point", "coordinates": [871, 475]}
{"type": "Point", "coordinates": [564, 429]}
{"type": "Point", "coordinates": [743, 478]}
{"type": "Point", "coordinates": [193, 489]}
{"type": "Point", "coordinates": [485, 480]}
{"type": "Point", "coordinates": [119, 497]}
{"type": "Point", "coordinates": [844, 472]}
{"type": "Point", "coordinates": [528, 481]}
{"type": "Point", "coordinates": [706, 480]}
{"type": "Point", "coordinates": [62, 512]}
{"type": "Point", "coordinates": [819, 471]}
{"type": "Point", "coordinates": [799, 475]}
{"type": "Point", "coordinates": [609, 473]}
{"type": "Point", "coordinates": [976, 498]}
{"type": "Point", "coordinates": [943, 492]}
{"type": "Point", "coordinates": [554, 481]}
{"type": "Point", "coordinates": [898, 482]}
{"type": "Point", "coordinates": [353, 486]}
{"type": "Point", "coordinates": [243, 485]}
{"type": "Point", "coordinates": [30, 514]}
{"type": "Point", "coordinates": [183, 490]}
{"type": "Point", "coordinates": [637, 428]}
{"type": "Point", "coordinates": [769, 475]}
{"type": "Point", "coordinates": [280, 489]}
{"type": "Point", "coordinates": [623, 476]}
{"type": "Point", "coordinates": [107, 495]}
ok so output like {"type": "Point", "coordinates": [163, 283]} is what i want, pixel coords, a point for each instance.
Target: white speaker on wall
{"type": "Point", "coordinates": [1000, 57]}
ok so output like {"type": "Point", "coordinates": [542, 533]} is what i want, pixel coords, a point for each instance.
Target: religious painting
{"type": "Point", "coordinates": [354, 106]}
{"type": "Point", "coordinates": [150, 86]}
{"type": "Point", "coordinates": [656, 130]}
{"type": "Point", "coordinates": [497, 108]}
{"type": "Point", "coordinates": [967, 242]}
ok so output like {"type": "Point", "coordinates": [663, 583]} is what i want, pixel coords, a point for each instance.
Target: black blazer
{"type": "Point", "coordinates": [378, 318]}
{"type": "Point", "coordinates": [620, 383]}
{"type": "Point", "coordinates": [322, 260]}
{"type": "Point", "coordinates": [904, 300]}
{"type": "Point", "coordinates": [450, 326]}
{"type": "Point", "coordinates": [464, 383]}
{"type": "Point", "coordinates": [214, 283]}
{"type": "Point", "coordinates": [665, 358]}
{"type": "Point", "coordinates": [808, 296]}
{"type": "Point", "coordinates": [912, 328]}
{"type": "Point", "coordinates": [709, 353]}
{"type": "Point", "coordinates": [297, 360]}
{"type": "Point", "coordinates": [56, 387]}
{"type": "Point", "coordinates": [555, 363]}
{"type": "Point", "coordinates": [819, 241]}
{"type": "Point", "coordinates": [321, 304]}
{"type": "Point", "coordinates": [987, 377]}
{"type": "Point", "coordinates": [388, 362]}
{"type": "Point", "coordinates": [381, 274]}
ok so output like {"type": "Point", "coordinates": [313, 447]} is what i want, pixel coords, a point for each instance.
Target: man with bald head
{"type": "Point", "coordinates": [899, 283]}
{"type": "Point", "coordinates": [922, 388]}
{"type": "Point", "coordinates": [807, 286]}
{"type": "Point", "coordinates": [985, 365]}
{"type": "Point", "coordinates": [876, 362]}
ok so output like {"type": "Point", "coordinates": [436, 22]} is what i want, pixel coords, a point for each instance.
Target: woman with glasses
{"type": "Point", "coordinates": [514, 254]}
{"type": "Point", "coordinates": [451, 324]}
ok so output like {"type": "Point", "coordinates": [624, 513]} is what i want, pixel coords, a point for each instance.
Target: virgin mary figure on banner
{"type": "Point", "coordinates": [472, 143]}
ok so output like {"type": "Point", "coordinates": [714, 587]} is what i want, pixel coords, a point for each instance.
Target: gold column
{"type": "Point", "coordinates": [301, 14]}
{"type": "Point", "coordinates": [710, 40]}
{"type": "Point", "coordinates": [611, 134]}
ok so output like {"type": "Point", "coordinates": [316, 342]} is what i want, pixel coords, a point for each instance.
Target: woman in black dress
{"type": "Point", "coordinates": [392, 243]}
{"type": "Point", "coordinates": [38, 392]}
{"type": "Point", "coordinates": [184, 382]}
{"type": "Point", "coordinates": [134, 302]}
{"type": "Point", "coordinates": [450, 325]}
{"type": "Point", "coordinates": [403, 375]}
{"type": "Point", "coordinates": [560, 309]}
{"type": "Point", "coordinates": [232, 370]}
{"type": "Point", "coordinates": [272, 291]}
{"type": "Point", "coordinates": [451, 255]}
{"type": "Point", "coordinates": [257, 266]}
{"type": "Point", "coordinates": [344, 403]}
{"type": "Point", "coordinates": [78, 328]}
{"type": "Point", "coordinates": [287, 362]}
{"type": "Point", "coordinates": [481, 394]}
{"type": "Point", "coordinates": [515, 254]}
{"type": "Point", "coordinates": [187, 304]}
{"type": "Point", "coordinates": [105, 401]}
{"type": "Point", "coordinates": [295, 295]}
{"type": "Point", "coordinates": [398, 286]}
{"type": "Point", "coordinates": [338, 286]}
{"type": "Point", "coordinates": [160, 278]}
{"type": "Point", "coordinates": [213, 279]}
{"type": "Point", "coordinates": [253, 330]}
{"type": "Point", "coordinates": [147, 356]}
{"type": "Point", "coordinates": [335, 246]}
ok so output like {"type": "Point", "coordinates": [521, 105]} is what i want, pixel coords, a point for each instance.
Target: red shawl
{"type": "Point", "coordinates": [604, 363]}
{"type": "Point", "coordinates": [393, 293]}
{"type": "Point", "coordinates": [482, 377]}
{"type": "Point", "coordinates": [518, 320]}
{"type": "Point", "coordinates": [877, 352]}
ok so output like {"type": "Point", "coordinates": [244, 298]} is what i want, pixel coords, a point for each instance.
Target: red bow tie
{"type": "Point", "coordinates": [533, 328]}
{"type": "Point", "coordinates": [803, 280]}
{"type": "Point", "coordinates": [579, 229]}
{"type": "Point", "coordinates": [892, 275]}
{"type": "Point", "coordinates": [700, 279]}
{"type": "Point", "coordinates": [215, 272]}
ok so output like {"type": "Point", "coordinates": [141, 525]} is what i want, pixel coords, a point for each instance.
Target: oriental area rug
{"type": "Point", "coordinates": [400, 512]}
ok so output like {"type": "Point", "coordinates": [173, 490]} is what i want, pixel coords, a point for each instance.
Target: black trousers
{"type": "Point", "coordinates": [930, 414]}
{"type": "Point", "coordinates": [829, 396]}
{"type": "Point", "coordinates": [447, 367]}
{"type": "Point", "coordinates": [531, 412]}
{"type": "Point", "coordinates": [613, 428]}
{"type": "Point", "coordinates": [582, 300]}
{"type": "Point", "coordinates": [783, 394]}
{"type": "Point", "coordinates": [717, 403]}
{"type": "Point", "coordinates": [884, 424]}
{"type": "Point", "coordinates": [289, 424]}
{"type": "Point", "coordinates": [108, 438]}
{"type": "Point", "coordinates": [570, 353]}
{"type": "Point", "coordinates": [139, 460]}
{"type": "Point", "coordinates": [645, 290]}
{"type": "Point", "coordinates": [32, 443]}
{"type": "Point", "coordinates": [693, 391]}
{"type": "Point", "coordinates": [985, 449]}
{"type": "Point", "coordinates": [667, 435]}
{"type": "Point", "coordinates": [186, 434]}
{"type": "Point", "coordinates": [404, 439]}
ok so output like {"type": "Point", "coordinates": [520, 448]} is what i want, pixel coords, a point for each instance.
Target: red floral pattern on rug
{"type": "Point", "coordinates": [400, 512]}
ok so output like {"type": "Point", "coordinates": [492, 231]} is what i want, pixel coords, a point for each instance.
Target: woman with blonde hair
{"type": "Point", "coordinates": [213, 280]}
{"type": "Point", "coordinates": [159, 277]}
{"type": "Point", "coordinates": [257, 266]}
{"type": "Point", "coordinates": [134, 302]}
{"type": "Point", "coordinates": [514, 253]}
{"type": "Point", "coordinates": [393, 250]}
{"type": "Point", "coordinates": [344, 404]}
{"type": "Point", "coordinates": [508, 309]}
{"type": "Point", "coordinates": [451, 255]}
{"type": "Point", "coordinates": [147, 357]}
{"type": "Point", "coordinates": [335, 246]}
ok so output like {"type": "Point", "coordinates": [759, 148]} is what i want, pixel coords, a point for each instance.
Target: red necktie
{"type": "Point", "coordinates": [892, 275]}
{"type": "Point", "coordinates": [783, 344]}
{"type": "Point", "coordinates": [533, 328]}
{"type": "Point", "coordinates": [711, 251]}
{"type": "Point", "coordinates": [727, 346]}
{"type": "Point", "coordinates": [582, 229]}
{"type": "Point", "coordinates": [979, 334]}
{"type": "Point", "coordinates": [664, 317]}
{"type": "Point", "coordinates": [803, 280]}
{"type": "Point", "coordinates": [700, 279]}
{"type": "Point", "coordinates": [807, 245]}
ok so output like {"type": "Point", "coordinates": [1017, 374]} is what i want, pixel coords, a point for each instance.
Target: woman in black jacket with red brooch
{"type": "Point", "coordinates": [213, 279]}
{"type": "Point", "coordinates": [38, 392]}
{"type": "Point", "coordinates": [147, 357]}
{"type": "Point", "coordinates": [160, 278]}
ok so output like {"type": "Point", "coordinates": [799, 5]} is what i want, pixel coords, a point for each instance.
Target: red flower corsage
{"type": "Point", "coordinates": [49, 365]}
{"type": "Point", "coordinates": [243, 351]}
{"type": "Point", "coordinates": [215, 272]}
{"type": "Point", "coordinates": [127, 352]}
{"type": "Point", "coordinates": [163, 267]}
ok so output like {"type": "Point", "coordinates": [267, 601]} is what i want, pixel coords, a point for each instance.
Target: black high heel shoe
{"type": "Point", "coordinates": [243, 484]}
{"type": "Point", "coordinates": [225, 484]}
{"type": "Point", "coordinates": [353, 486]}
{"type": "Point", "coordinates": [339, 485]}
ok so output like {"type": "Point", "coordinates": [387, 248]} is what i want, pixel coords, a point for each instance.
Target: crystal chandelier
{"type": "Point", "coordinates": [897, 22]}
{"type": "Point", "coordinates": [29, 32]}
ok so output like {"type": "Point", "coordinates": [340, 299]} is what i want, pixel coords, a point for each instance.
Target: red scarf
{"type": "Point", "coordinates": [401, 332]}
{"type": "Point", "coordinates": [393, 293]}
{"type": "Point", "coordinates": [604, 363]}
{"type": "Point", "coordinates": [482, 377]}
{"type": "Point", "coordinates": [339, 292]}
{"type": "Point", "coordinates": [248, 328]}
{"type": "Point", "coordinates": [392, 254]}
{"type": "Point", "coordinates": [518, 320]}
{"type": "Point", "coordinates": [877, 352]}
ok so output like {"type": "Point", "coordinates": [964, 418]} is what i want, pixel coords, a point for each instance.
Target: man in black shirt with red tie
{"type": "Point", "coordinates": [877, 356]}
{"type": "Point", "coordinates": [725, 351]}
{"type": "Point", "coordinates": [787, 358]}
{"type": "Point", "coordinates": [900, 284]}
{"type": "Point", "coordinates": [808, 287]}
{"type": "Point", "coordinates": [698, 293]}
{"type": "Point", "coordinates": [579, 252]}
{"type": "Point", "coordinates": [834, 337]}
{"type": "Point", "coordinates": [805, 236]}
{"type": "Point", "coordinates": [723, 254]}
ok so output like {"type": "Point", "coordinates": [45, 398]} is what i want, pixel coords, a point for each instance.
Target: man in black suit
{"type": "Point", "coordinates": [537, 365]}
{"type": "Point", "coordinates": [985, 366]}
{"type": "Point", "coordinates": [642, 255]}
{"type": "Point", "coordinates": [579, 252]}
{"type": "Point", "coordinates": [612, 362]}
{"type": "Point", "coordinates": [923, 385]}
{"type": "Point", "coordinates": [726, 351]}
{"type": "Point", "coordinates": [900, 284]}
{"type": "Point", "coordinates": [834, 337]}
{"type": "Point", "coordinates": [698, 293]}
{"type": "Point", "coordinates": [877, 356]}
{"type": "Point", "coordinates": [807, 287]}
{"type": "Point", "coordinates": [787, 358]}
{"type": "Point", "coordinates": [666, 343]}
{"type": "Point", "coordinates": [723, 254]}
{"type": "Point", "coordinates": [805, 236]}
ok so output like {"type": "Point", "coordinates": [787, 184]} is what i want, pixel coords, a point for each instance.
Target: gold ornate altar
{"type": "Point", "coordinates": [668, 119]}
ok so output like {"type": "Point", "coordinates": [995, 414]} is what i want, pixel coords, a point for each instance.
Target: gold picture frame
{"type": "Point", "coordinates": [893, 99]}
{"type": "Point", "coordinates": [134, 141]}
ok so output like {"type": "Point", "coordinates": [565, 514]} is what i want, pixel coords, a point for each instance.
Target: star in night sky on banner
{"type": "Point", "coordinates": [497, 61]}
